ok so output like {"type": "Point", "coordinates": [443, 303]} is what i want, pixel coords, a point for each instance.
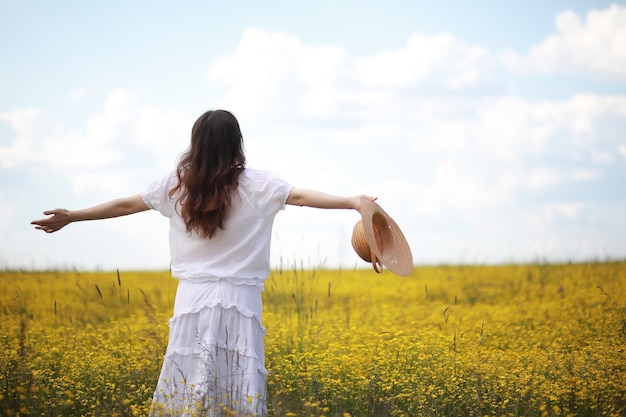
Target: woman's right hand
{"type": "Point", "coordinates": [59, 218]}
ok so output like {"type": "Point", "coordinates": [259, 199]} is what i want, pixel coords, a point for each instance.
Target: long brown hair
{"type": "Point", "coordinates": [208, 172]}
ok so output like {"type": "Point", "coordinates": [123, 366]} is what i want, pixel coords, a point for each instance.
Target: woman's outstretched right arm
{"type": "Point", "coordinates": [60, 218]}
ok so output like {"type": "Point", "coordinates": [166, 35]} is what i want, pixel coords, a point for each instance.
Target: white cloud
{"type": "Point", "coordinates": [543, 178]}
{"type": "Point", "coordinates": [512, 129]}
{"type": "Point", "coordinates": [601, 156]}
{"type": "Point", "coordinates": [97, 145]}
{"type": "Point", "coordinates": [595, 45]}
{"type": "Point", "coordinates": [458, 190]}
{"type": "Point", "coordinates": [7, 213]}
{"type": "Point", "coordinates": [23, 121]}
{"type": "Point", "coordinates": [273, 73]}
{"type": "Point", "coordinates": [78, 94]}
{"type": "Point", "coordinates": [68, 149]}
{"type": "Point", "coordinates": [567, 210]}
{"type": "Point", "coordinates": [113, 182]}
{"type": "Point", "coordinates": [541, 217]}
{"type": "Point", "coordinates": [585, 175]}
{"type": "Point", "coordinates": [119, 109]}
{"type": "Point", "coordinates": [438, 58]}
{"type": "Point", "coordinates": [274, 76]}
{"type": "Point", "coordinates": [161, 135]}
{"type": "Point", "coordinates": [25, 125]}
{"type": "Point", "coordinates": [88, 153]}
{"type": "Point", "coordinates": [256, 71]}
{"type": "Point", "coordinates": [622, 150]}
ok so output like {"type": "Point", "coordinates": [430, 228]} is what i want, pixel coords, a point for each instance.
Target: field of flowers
{"type": "Point", "coordinates": [514, 340]}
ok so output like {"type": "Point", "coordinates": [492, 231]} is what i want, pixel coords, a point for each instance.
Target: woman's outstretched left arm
{"type": "Point", "coordinates": [318, 199]}
{"type": "Point", "coordinates": [60, 218]}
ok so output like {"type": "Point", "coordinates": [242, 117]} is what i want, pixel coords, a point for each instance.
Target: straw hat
{"type": "Point", "coordinates": [376, 238]}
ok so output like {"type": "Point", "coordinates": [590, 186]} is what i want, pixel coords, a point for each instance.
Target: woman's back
{"type": "Point", "coordinates": [239, 252]}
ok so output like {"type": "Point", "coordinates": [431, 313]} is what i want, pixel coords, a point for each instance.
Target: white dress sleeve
{"type": "Point", "coordinates": [271, 192]}
{"type": "Point", "coordinates": [157, 195]}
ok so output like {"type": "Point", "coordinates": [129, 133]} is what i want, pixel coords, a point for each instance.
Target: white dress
{"type": "Point", "coordinates": [214, 363]}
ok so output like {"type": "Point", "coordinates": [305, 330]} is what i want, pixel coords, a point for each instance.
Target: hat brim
{"type": "Point", "coordinates": [386, 240]}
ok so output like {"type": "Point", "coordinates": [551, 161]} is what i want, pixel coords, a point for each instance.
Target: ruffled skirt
{"type": "Point", "coordinates": [214, 364]}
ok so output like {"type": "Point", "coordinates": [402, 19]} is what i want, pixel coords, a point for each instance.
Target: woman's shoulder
{"type": "Point", "coordinates": [168, 180]}
{"type": "Point", "coordinates": [261, 180]}
{"type": "Point", "coordinates": [259, 175]}
{"type": "Point", "coordinates": [263, 190]}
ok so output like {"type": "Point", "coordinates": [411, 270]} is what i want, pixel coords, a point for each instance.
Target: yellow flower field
{"type": "Point", "coordinates": [514, 340]}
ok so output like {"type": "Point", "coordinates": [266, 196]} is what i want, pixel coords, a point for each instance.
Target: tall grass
{"type": "Point", "coordinates": [510, 340]}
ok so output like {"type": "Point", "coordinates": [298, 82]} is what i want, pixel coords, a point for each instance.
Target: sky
{"type": "Point", "coordinates": [491, 132]}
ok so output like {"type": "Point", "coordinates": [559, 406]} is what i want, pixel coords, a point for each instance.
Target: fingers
{"type": "Point", "coordinates": [46, 213]}
{"type": "Point", "coordinates": [41, 222]}
{"type": "Point", "coordinates": [368, 197]}
{"type": "Point", "coordinates": [46, 229]}
{"type": "Point", "coordinates": [358, 201]}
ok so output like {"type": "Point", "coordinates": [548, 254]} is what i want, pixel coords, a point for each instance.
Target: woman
{"type": "Point", "coordinates": [221, 215]}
